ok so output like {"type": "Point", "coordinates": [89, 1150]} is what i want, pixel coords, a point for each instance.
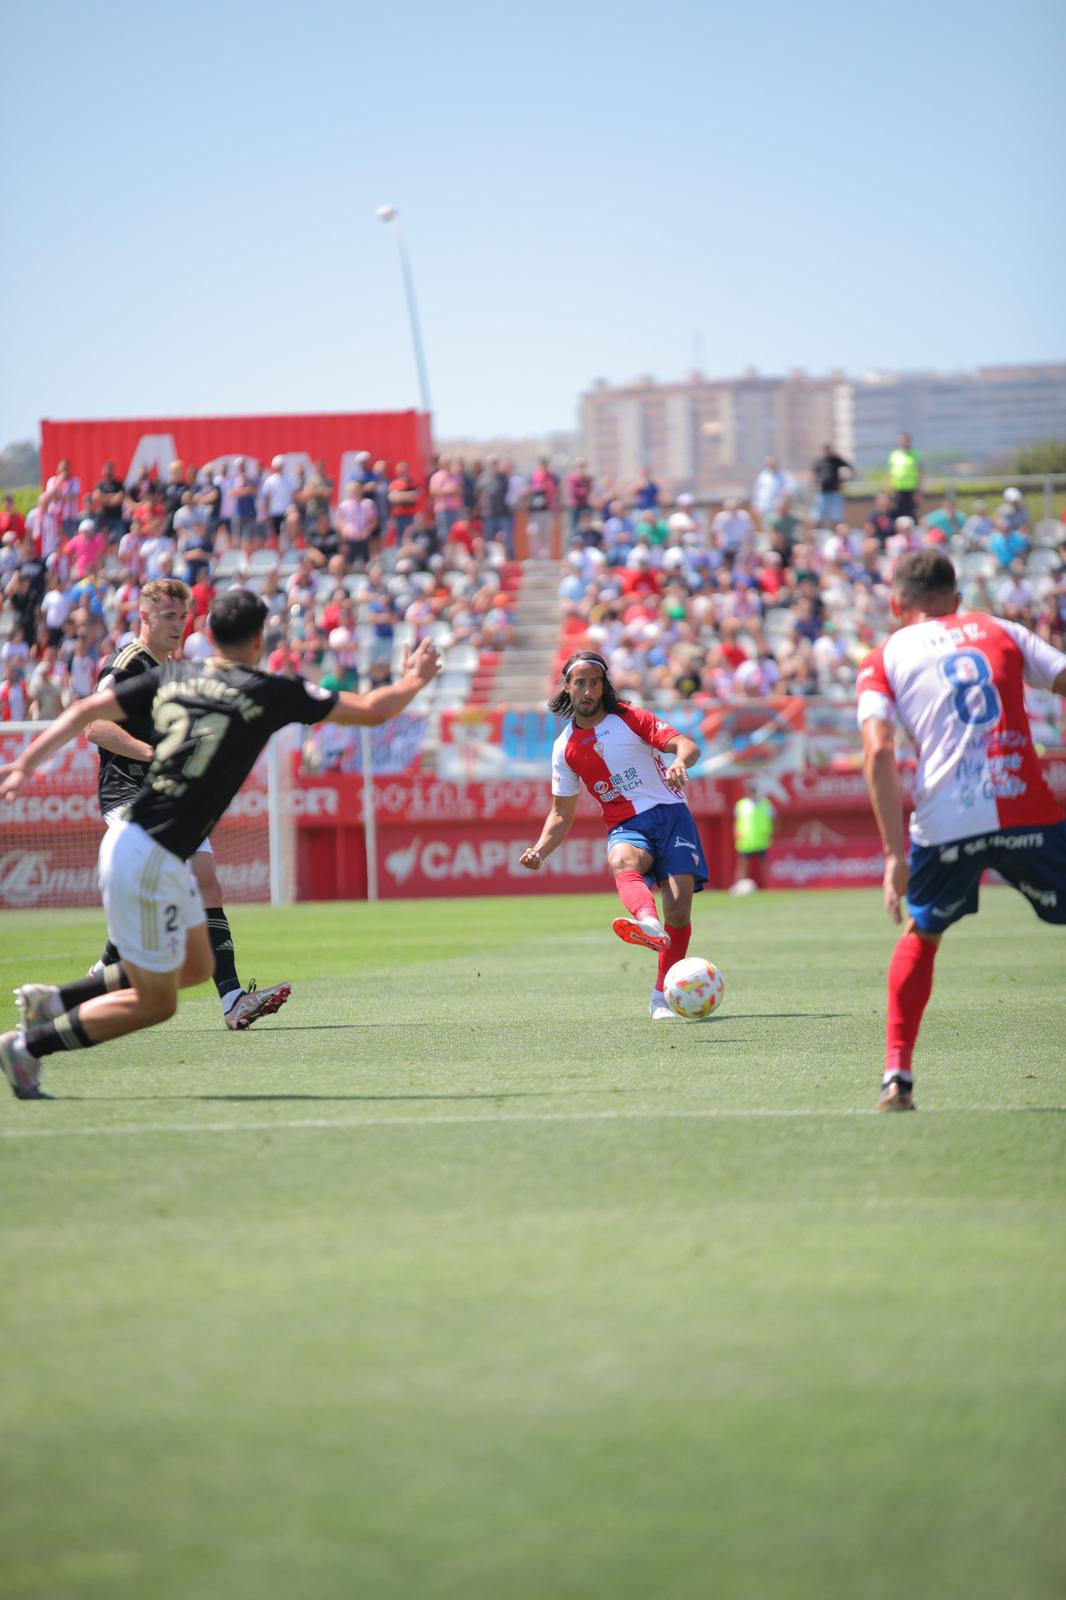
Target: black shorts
{"type": "Point", "coordinates": [945, 878]}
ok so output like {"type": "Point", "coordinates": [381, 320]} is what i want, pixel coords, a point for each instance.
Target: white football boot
{"type": "Point", "coordinates": [659, 1010]}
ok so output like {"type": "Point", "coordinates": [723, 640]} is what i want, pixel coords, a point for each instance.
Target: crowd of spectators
{"type": "Point", "coordinates": [771, 595]}
{"type": "Point", "coordinates": [347, 577]}
{"type": "Point", "coordinates": [767, 598]}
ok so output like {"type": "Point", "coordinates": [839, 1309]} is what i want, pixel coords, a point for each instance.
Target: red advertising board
{"type": "Point", "coordinates": [435, 837]}
{"type": "Point", "coordinates": [140, 443]}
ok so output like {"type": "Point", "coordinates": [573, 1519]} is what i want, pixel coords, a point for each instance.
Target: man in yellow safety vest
{"type": "Point", "coordinates": [753, 831]}
{"type": "Point", "coordinates": [905, 478]}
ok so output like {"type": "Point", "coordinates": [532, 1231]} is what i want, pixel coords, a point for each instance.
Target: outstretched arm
{"type": "Point", "coordinates": [370, 710]}
{"type": "Point", "coordinates": [100, 706]}
{"type": "Point", "coordinates": [112, 736]}
{"type": "Point", "coordinates": [557, 825]}
{"type": "Point", "coordinates": [882, 780]}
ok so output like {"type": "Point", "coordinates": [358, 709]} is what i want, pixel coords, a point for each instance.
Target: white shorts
{"type": "Point", "coordinates": [119, 815]}
{"type": "Point", "coordinates": [150, 897]}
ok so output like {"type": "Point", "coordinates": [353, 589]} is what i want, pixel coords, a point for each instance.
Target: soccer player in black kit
{"type": "Point", "coordinates": [211, 719]}
{"type": "Point", "coordinates": [125, 755]}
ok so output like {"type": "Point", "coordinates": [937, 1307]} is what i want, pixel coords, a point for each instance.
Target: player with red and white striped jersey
{"type": "Point", "coordinates": [955, 680]}
{"type": "Point", "coordinates": [618, 752]}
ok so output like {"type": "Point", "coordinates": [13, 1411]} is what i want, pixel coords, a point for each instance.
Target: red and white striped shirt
{"type": "Point", "coordinates": [958, 686]}
{"type": "Point", "coordinates": [618, 761]}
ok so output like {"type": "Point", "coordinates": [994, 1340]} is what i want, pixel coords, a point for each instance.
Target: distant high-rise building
{"type": "Point", "coordinates": [712, 434]}
{"type": "Point", "coordinates": [973, 416]}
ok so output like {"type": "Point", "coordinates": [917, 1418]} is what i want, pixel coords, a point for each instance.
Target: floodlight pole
{"type": "Point", "coordinates": [391, 215]}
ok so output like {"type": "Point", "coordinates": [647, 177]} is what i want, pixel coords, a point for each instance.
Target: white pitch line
{"type": "Point", "coordinates": [649, 1113]}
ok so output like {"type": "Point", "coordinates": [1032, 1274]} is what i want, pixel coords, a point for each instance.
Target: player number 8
{"type": "Point", "coordinates": [976, 698]}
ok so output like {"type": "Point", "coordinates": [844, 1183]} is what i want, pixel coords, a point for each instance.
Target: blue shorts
{"type": "Point", "coordinates": [669, 835]}
{"type": "Point", "coordinates": [945, 878]}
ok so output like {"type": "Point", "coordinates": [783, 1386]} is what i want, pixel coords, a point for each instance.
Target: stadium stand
{"type": "Point", "coordinates": [687, 602]}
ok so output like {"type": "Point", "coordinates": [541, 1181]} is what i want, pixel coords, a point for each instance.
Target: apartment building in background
{"type": "Point", "coordinates": [711, 435]}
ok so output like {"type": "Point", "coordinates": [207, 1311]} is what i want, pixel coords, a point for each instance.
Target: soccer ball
{"type": "Point", "coordinates": [694, 988]}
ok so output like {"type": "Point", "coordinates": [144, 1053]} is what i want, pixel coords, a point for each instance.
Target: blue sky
{"type": "Point", "coordinates": [587, 190]}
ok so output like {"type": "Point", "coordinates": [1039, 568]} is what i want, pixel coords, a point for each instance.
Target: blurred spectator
{"type": "Point", "coordinates": [645, 492]}
{"type": "Point", "coordinates": [784, 527]}
{"type": "Point", "coordinates": [1013, 511]}
{"type": "Point", "coordinates": [56, 606]}
{"type": "Point", "coordinates": [379, 493]}
{"type": "Point", "coordinates": [14, 700]}
{"type": "Point", "coordinates": [206, 498]}
{"type": "Point", "coordinates": [157, 550]}
{"type": "Point", "coordinates": [358, 525]}
{"type": "Point", "coordinates": [198, 646]}
{"type": "Point", "coordinates": [733, 529]}
{"type": "Point", "coordinates": [905, 477]}
{"type": "Point", "coordinates": [25, 589]}
{"type": "Point", "coordinates": [978, 528]}
{"type": "Point", "coordinates": [323, 537]}
{"type": "Point", "coordinates": [82, 667]}
{"type": "Point", "coordinates": [239, 491]}
{"type": "Point", "coordinates": [947, 519]}
{"type": "Point", "coordinates": [829, 473]}
{"type": "Point", "coordinates": [446, 495]}
{"type": "Point", "coordinates": [109, 498]}
{"type": "Point", "coordinates": [578, 490]}
{"type": "Point", "coordinates": [174, 494]}
{"type": "Point", "coordinates": [86, 549]}
{"type": "Point", "coordinates": [316, 495]}
{"type": "Point", "coordinates": [276, 494]}
{"type": "Point", "coordinates": [771, 486]}
{"type": "Point", "coordinates": [403, 501]}
{"type": "Point", "coordinates": [193, 545]}
{"type": "Point", "coordinates": [1007, 544]}
{"type": "Point", "coordinates": [881, 520]}
{"type": "Point", "coordinates": [543, 487]}
{"type": "Point", "coordinates": [492, 507]}
{"type": "Point", "coordinates": [47, 686]}
{"type": "Point", "coordinates": [16, 646]}
{"type": "Point", "coordinates": [344, 674]}
{"type": "Point", "coordinates": [10, 520]}
{"type": "Point", "coordinates": [62, 496]}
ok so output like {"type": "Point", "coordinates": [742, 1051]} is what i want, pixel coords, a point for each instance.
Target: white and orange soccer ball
{"type": "Point", "coordinates": [694, 988]}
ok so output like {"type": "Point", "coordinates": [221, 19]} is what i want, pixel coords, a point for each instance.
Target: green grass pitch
{"type": "Point", "coordinates": [461, 1278]}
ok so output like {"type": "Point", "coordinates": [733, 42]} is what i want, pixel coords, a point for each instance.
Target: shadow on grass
{"type": "Point", "coordinates": [365, 1027]}
{"type": "Point", "coordinates": [487, 1094]}
{"type": "Point", "coordinates": [779, 1016]}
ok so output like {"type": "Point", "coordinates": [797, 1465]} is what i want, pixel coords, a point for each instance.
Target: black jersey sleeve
{"type": "Point", "coordinates": [293, 700]}
{"type": "Point", "coordinates": [135, 693]}
{"type": "Point", "coordinates": [123, 667]}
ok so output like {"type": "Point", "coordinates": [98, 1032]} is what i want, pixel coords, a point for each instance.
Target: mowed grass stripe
{"type": "Point", "coordinates": [489, 1119]}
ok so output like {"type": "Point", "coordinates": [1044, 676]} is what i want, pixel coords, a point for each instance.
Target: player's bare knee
{"type": "Point", "coordinates": [157, 1005]}
{"type": "Point", "coordinates": [199, 967]}
{"type": "Point", "coordinates": [203, 870]}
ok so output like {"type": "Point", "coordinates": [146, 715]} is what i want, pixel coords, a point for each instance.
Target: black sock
{"type": "Point", "coordinates": [62, 1033]}
{"type": "Point", "coordinates": [91, 988]}
{"type": "Point", "coordinates": [226, 979]}
{"type": "Point", "coordinates": [110, 954]}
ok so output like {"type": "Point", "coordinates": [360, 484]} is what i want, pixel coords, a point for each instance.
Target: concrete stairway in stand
{"type": "Point", "coordinates": [524, 672]}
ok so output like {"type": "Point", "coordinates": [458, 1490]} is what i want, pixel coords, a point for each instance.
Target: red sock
{"type": "Point", "coordinates": [910, 983]}
{"type": "Point", "coordinates": [676, 951]}
{"type": "Point", "coordinates": [635, 894]}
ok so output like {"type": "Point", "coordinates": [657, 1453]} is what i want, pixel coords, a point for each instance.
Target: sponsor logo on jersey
{"type": "Point", "coordinates": [1003, 841]}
